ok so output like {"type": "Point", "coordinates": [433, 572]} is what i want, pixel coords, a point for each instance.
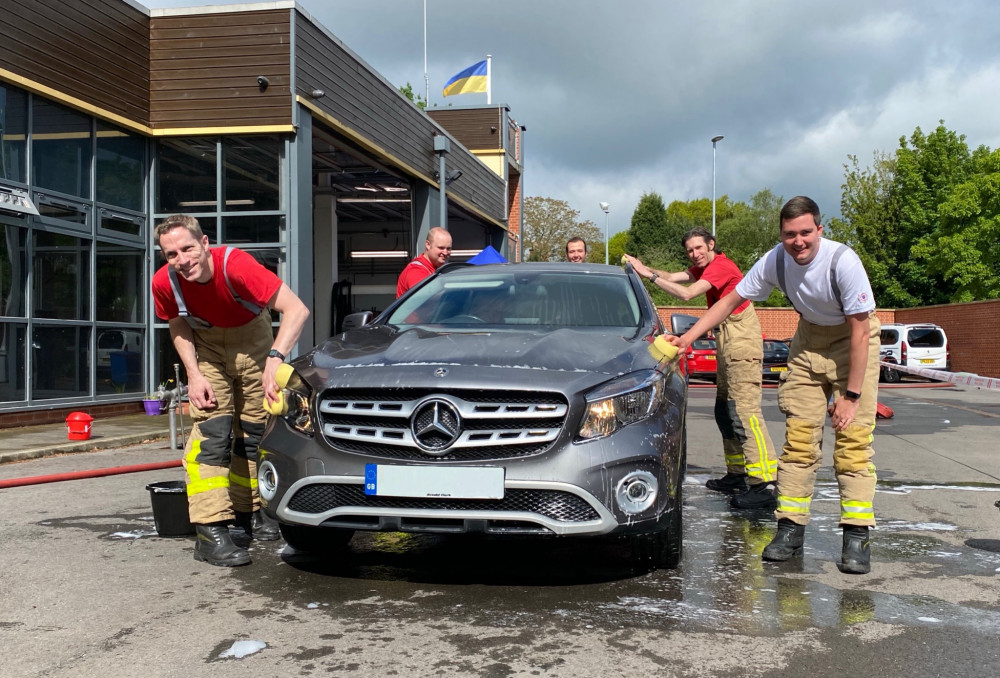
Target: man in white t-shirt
{"type": "Point", "coordinates": [832, 369]}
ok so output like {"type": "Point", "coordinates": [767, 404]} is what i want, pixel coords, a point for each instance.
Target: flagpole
{"type": "Point", "coordinates": [489, 78]}
{"type": "Point", "coordinates": [427, 80]}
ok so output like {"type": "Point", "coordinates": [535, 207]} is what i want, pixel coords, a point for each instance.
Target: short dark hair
{"type": "Point", "coordinates": [175, 221]}
{"type": "Point", "coordinates": [576, 239]}
{"type": "Point", "coordinates": [798, 206]}
{"type": "Point", "coordinates": [698, 232]}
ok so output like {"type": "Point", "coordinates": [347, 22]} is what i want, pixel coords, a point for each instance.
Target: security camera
{"type": "Point", "coordinates": [262, 82]}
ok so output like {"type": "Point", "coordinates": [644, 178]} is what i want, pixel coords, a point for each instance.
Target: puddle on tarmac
{"type": "Point", "coordinates": [722, 584]}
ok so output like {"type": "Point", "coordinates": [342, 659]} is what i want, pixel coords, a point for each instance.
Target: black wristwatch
{"type": "Point", "coordinates": [653, 277]}
{"type": "Point", "coordinates": [275, 353]}
{"type": "Point", "coordinates": [852, 395]}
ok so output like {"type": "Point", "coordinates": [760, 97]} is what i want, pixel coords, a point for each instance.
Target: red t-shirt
{"type": "Point", "coordinates": [415, 271]}
{"type": "Point", "coordinates": [723, 275]}
{"type": "Point", "coordinates": [212, 301]}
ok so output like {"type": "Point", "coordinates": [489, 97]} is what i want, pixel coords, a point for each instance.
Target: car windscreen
{"type": "Point", "coordinates": [775, 347]}
{"type": "Point", "coordinates": [925, 337]}
{"type": "Point", "coordinates": [514, 299]}
{"type": "Point", "coordinates": [703, 344]}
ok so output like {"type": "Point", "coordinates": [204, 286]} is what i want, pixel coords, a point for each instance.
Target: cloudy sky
{"type": "Point", "coordinates": [622, 98]}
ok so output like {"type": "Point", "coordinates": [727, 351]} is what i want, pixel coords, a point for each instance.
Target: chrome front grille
{"type": "Point", "coordinates": [452, 425]}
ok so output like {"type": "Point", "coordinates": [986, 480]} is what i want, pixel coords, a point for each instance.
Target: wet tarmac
{"type": "Point", "coordinates": [91, 590]}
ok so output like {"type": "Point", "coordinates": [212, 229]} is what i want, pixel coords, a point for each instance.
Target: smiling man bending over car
{"type": "Point", "coordinates": [832, 368]}
{"type": "Point", "coordinates": [751, 462]}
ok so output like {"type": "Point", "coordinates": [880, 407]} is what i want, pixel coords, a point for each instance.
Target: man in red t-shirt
{"type": "Point", "coordinates": [437, 251]}
{"type": "Point", "coordinates": [751, 462]}
{"type": "Point", "coordinates": [218, 301]}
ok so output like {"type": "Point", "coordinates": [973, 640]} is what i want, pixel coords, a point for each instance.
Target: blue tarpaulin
{"type": "Point", "coordinates": [489, 255]}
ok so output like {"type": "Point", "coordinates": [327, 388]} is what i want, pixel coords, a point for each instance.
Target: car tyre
{"type": "Point", "coordinates": [315, 540]}
{"type": "Point", "coordinates": [665, 548]}
{"type": "Point", "coordinates": [891, 376]}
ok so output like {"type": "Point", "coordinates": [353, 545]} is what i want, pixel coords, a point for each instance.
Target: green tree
{"type": "Point", "coordinates": [407, 91]}
{"type": "Point", "coordinates": [749, 231]}
{"type": "Point", "coordinates": [964, 249]}
{"type": "Point", "coordinates": [549, 223]}
{"type": "Point", "coordinates": [647, 231]}
{"type": "Point", "coordinates": [616, 247]}
{"type": "Point", "coordinates": [871, 225]}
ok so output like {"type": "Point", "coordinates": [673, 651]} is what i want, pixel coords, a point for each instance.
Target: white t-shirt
{"type": "Point", "coordinates": [808, 287]}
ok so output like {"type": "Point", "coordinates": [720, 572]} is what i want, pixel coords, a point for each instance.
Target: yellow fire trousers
{"type": "Point", "coordinates": [745, 441]}
{"type": "Point", "coordinates": [818, 365]}
{"type": "Point", "coordinates": [221, 452]}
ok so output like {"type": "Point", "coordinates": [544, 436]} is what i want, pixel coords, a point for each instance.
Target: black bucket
{"type": "Point", "coordinates": [170, 508]}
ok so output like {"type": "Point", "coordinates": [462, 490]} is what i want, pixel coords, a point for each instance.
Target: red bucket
{"type": "Point", "coordinates": [78, 425]}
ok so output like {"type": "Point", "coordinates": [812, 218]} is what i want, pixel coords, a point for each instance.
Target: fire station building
{"type": "Point", "coordinates": [253, 118]}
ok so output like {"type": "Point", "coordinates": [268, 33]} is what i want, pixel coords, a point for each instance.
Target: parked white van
{"type": "Point", "coordinates": [913, 345]}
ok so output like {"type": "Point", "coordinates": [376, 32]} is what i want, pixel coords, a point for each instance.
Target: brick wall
{"type": "Point", "coordinates": [971, 329]}
{"type": "Point", "coordinates": [972, 333]}
{"type": "Point", "coordinates": [52, 416]}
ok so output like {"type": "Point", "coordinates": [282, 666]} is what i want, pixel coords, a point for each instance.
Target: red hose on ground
{"type": "Point", "coordinates": [93, 473]}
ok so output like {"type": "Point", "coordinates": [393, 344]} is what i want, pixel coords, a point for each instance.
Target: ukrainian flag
{"type": "Point", "coordinates": [472, 79]}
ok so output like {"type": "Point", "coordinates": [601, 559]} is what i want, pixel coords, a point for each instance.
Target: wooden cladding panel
{"type": "Point", "coordinates": [363, 101]}
{"type": "Point", "coordinates": [94, 50]}
{"type": "Point", "coordinates": [204, 69]}
{"type": "Point", "coordinates": [477, 128]}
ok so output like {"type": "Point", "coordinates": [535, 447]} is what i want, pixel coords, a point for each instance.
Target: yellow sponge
{"type": "Point", "coordinates": [661, 349]}
{"type": "Point", "coordinates": [283, 374]}
{"type": "Point", "coordinates": [277, 408]}
{"type": "Point", "coordinates": [281, 377]}
{"type": "Point", "coordinates": [624, 260]}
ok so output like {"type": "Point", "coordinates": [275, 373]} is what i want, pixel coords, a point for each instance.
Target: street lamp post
{"type": "Point", "coordinates": [715, 140]}
{"type": "Point", "coordinates": [606, 207]}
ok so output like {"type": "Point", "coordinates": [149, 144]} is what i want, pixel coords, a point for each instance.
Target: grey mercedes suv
{"type": "Point", "coordinates": [506, 399]}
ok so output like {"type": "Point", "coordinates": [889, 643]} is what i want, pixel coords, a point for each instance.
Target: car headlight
{"type": "Point", "coordinates": [621, 402]}
{"type": "Point", "coordinates": [296, 394]}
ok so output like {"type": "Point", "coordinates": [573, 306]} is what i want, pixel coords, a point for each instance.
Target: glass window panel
{"type": "Point", "coordinates": [13, 358]}
{"type": "Point", "coordinates": [60, 360]}
{"type": "Point", "coordinates": [61, 149]}
{"type": "Point", "coordinates": [61, 280]}
{"type": "Point", "coordinates": [264, 228]}
{"type": "Point", "coordinates": [13, 133]}
{"type": "Point", "coordinates": [13, 270]}
{"type": "Point", "coordinates": [121, 289]}
{"type": "Point", "coordinates": [62, 211]}
{"type": "Point", "coordinates": [251, 173]}
{"type": "Point", "coordinates": [120, 167]}
{"type": "Point", "coordinates": [127, 226]}
{"type": "Point", "coordinates": [119, 360]}
{"type": "Point", "coordinates": [185, 176]}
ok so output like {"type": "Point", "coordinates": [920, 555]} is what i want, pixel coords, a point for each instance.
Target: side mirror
{"type": "Point", "coordinates": [681, 323]}
{"type": "Point", "coordinates": [356, 320]}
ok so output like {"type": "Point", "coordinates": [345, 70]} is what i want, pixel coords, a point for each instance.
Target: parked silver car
{"type": "Point", "coordinates": [510, 399]}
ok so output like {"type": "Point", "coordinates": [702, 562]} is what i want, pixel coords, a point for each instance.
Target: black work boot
{"type": "Point", "coordinates": [257, 525]}
{"type": "Point", "coordinates": [756, 497]}
{"type": "Point", "coordinates": [856, 558]}
{"type": "Point", "coordinates": [731, 483]}
{"type": "Point", "coordinates": [214, 546]}
{"type": "Point", "coordinates": [787, 541]}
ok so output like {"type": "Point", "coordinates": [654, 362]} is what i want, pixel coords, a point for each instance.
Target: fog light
{"type": "Point", "coordinates": [267, 481]}
{"type": "Point", "coordinates": [636, 492]}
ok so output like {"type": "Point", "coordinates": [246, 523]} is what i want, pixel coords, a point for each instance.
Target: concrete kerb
{"type": "Point", "coordinates": [78, 446]}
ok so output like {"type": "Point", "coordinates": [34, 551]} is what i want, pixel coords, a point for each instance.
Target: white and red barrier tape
{"type": "Point", "coordinates": [960, 378]}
